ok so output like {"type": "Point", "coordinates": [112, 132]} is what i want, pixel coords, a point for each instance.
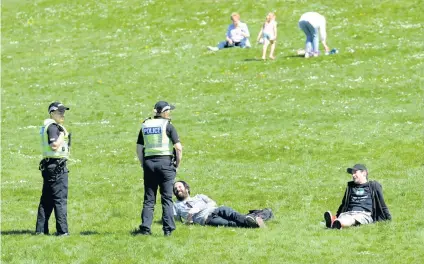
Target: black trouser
{"type": "Point", "coordinates": [226, 216]}
{"type": "Point", "coordinates": [235, 44]}
{"type": "Point", "coordinates": [54, 196]}
{"type": "Point", "coordinates": [158, 172]}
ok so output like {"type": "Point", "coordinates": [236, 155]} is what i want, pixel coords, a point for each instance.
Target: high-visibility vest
{"type": "Point", "coordinates": [62, 151]}
{"type": "Point", "coordinates": [156, 142]}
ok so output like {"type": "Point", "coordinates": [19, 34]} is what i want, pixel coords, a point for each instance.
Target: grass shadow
{"type": "Point", "coordinates": [17, 232]}
{"type": "Point", "coordinates": [294, 56]}
{"type": "Point", "coordinates": [252, 59]}
{"type": "Point", "coordinates": [89, 233]}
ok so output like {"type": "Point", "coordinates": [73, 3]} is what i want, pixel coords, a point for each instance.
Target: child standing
{"type": "Point", "coordinates": [269, 35]}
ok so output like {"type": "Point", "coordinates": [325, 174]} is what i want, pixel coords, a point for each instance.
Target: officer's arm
{"type": "Point", "coordinates": [140, 153]}
{"type": "Point", "coordinates": [55, 141]}
{"type": "Point", "coordinates": [140, 147]}
{"type": "Point", "coordinates": [179, 151]}
{"type": "Point", "coordinates": [173, 135]}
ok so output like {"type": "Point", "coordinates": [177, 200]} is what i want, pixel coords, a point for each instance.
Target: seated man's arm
{"type": "Point", "coordinates": [339, 211]}
{"type": "Point", "coordinates": [177, 216]}
{"type": "Point", "coordinates": [208, 201]}
{"type": "Point", "coordinates": [245, 31]}
{"type": "Point", "coordinates": [382, 202]}
{"type": "Point", "coordinates": [228, 37]}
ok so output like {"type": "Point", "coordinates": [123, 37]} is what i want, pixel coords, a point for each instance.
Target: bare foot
{"type": "Point", "coordinates": [263, 58]}
{"type": "Point", "coordinates": [272, 57]}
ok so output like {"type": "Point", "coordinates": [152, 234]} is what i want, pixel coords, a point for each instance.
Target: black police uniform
{"type": "Point", "coordinates": [159, 171]}
{"type": "Point", "coordinates": [55, 189]}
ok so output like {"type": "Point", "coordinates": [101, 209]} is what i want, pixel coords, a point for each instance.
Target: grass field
{"type": "Point", "coordinates": [256, 134]}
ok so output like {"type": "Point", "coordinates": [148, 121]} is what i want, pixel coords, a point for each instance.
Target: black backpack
{"type": "Point", "coordinates": [266, 213]}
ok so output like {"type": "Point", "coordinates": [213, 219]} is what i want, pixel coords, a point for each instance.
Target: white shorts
{"type": "Point", "coordinates": [356, 218]}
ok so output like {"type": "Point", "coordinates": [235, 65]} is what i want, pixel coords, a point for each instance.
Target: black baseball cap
{"type": "Point", "coordinates": [356, 167]}
{"type": "Point", "coordinates": [57, 106]}
{"type": "Point", "coordinates": [163, 106]}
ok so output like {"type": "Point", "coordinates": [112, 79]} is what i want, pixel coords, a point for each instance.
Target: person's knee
{"type": "Point", "coordinates": [149, 203]}
{"type": "Point", "coordinates": [346, 222]}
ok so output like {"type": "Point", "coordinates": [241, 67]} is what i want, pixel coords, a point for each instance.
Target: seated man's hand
{"type": "Point", "coordinates": [189, 219]}
{"type": "Point", "coordinates": [230, 42]}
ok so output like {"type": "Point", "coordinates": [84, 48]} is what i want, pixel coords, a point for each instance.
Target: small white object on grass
{"type": "Point", "coordinates": [301, 52]}
{"type": "Point", "coordinates": [213, 48]}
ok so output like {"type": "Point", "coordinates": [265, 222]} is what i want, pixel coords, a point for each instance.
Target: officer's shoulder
{"type": "Point", "coordinates": [55, 125]}
{"type": "Point", "coordinates": [149, 118]}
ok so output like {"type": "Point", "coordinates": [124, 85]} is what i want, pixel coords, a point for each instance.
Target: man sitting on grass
{"type": "Point", "coordinates": [202, 210]}
{"type": "Point", "coordinates": [363, 202]}
{"type": "Point", "coordinates": [237, 35]}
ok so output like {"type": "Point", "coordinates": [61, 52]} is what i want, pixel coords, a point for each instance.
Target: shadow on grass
{"type": "Point", "coordinates": [137, 231]}
{"type": "Point", "coordinates": [294, 56]}
{"type": "Point", "coordinates": [89, 233]}
{"type": "Point", "coordinates": [252, 59]}
{"type": "Point", "coordinates": [17, 232]}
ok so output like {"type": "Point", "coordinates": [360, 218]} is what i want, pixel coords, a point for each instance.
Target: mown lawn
{"type": "Point", "coordinates": [276, 134]}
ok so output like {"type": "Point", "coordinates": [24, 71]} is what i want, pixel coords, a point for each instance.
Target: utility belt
{"type": "Point", "coordinates": [52, 167]}
{"type": "Point", "coordinates": [166, 157]}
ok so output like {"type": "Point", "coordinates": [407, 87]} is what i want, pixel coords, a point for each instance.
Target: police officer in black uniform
{"type": "Point", "coordinates": [55, 142]}
{"type": "Point", "coordinates": [160, 152]}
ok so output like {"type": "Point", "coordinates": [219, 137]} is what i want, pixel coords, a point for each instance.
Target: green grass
{"type": "Point", "coordinates": [276, 134]}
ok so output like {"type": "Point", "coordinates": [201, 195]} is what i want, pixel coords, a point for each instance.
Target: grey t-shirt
{"type": "Point", "coordinates": [200, 201]}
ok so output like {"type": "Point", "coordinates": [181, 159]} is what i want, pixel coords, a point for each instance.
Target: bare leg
{"type": "Point", "coordinates": [264, 48]}
{"type": "Point", "coordinates": [271, 53]}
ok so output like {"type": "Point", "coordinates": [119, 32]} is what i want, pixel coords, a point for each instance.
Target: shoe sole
{"type": "Point", "coordinates": [327, 217]}
{"type": "Point", "coordinates": [256, 222]}
{"type": "Point", "coordinates": [260, 222]}
{"type": "Point", "coordinates": [337, 225]}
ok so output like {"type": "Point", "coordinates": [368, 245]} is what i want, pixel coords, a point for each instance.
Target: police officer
{"type": "Point", "coordinates": [55, 143]}
{"type": "Point", "coordinates": [159, 151]}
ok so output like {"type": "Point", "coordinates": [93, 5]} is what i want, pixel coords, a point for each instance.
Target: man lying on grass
{"type": "Point", "coordinates": [202, 210]}
{"type": "Point", "coordinates": [363, 202]}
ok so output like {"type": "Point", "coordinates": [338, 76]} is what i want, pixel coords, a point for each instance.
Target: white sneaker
{"type": "Point", "coordinates": [306, 55]}
{"type": "Point", "coordinates": [213, 48]}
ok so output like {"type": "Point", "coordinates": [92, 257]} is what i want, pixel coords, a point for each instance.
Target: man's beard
{"type": "Point", "coordinates": [182, 196]}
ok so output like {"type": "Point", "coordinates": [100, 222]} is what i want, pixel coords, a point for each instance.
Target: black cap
{"type": "Point", "coordinates": [163, 106]}
{"type": "Point", "coordinates": [57, 106]}
{"type": "Point", "coordinates": [356, 167]}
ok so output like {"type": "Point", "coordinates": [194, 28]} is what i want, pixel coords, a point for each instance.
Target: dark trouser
{"type": "Point", "coordinates": [54, 196]}
{"type": "Point", "coordinates": [226, 216]}
{"type": "Point", "coordinates": [235, 44]}
{"type": "Point", "coordinates": [158, 172]}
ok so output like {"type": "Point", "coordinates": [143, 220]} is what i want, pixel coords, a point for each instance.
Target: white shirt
{"type": "Point", "coordinates": [235, 33]}
{"type": "Point", "coordinates": [202, 202]}
{"type": "Point", "coordinates": [317, 21]}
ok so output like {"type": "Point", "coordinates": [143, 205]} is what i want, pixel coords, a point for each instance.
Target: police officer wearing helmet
{"type": "Point", "coordinates": [55, 143]}
{"type": "Point", "coordinates": [160, 152]}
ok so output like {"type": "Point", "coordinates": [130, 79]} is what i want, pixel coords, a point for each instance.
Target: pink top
{"type": "Point", "coordinates": [269, 27]}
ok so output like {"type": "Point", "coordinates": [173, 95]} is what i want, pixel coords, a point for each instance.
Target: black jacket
{"type": "Point", "coordinates": [380, 212]}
